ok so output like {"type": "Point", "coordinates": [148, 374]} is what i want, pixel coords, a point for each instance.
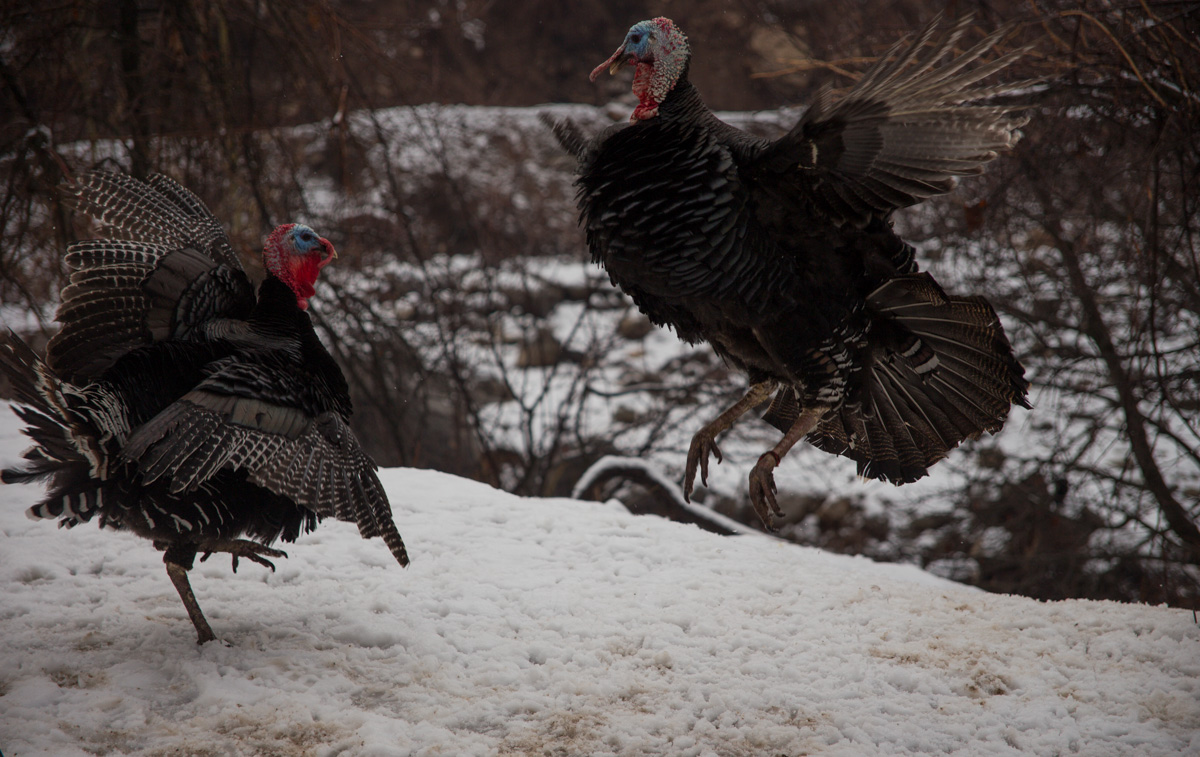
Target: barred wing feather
{"type": "Point", "coordinates": [314, 461]}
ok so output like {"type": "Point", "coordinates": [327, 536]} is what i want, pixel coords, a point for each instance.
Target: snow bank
{"type": "Point", "coordinates": [548, 627]}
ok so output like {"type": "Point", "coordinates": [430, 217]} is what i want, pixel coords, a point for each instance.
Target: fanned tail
{"type": "Point", "coordinates": [937, 370]}
{"type": "Point", "coordinates": [67, 448]}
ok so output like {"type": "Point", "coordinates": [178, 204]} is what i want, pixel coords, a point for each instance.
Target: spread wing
{"type": "Point", "coordinates": [242, 418]}
{"type": "Point", "coordinates": [168, 270]}
{"type": "Point", "coordinates": [904, 132]}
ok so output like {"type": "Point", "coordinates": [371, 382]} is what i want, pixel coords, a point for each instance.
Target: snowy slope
{"type": "Point", "coordinates": [557, 627]}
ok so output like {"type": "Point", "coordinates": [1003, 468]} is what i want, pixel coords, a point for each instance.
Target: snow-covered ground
{"type": "Point", "coordinates": [559, 627]}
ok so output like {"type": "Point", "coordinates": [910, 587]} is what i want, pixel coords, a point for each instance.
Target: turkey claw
{"type": "Point", "coordinates": [763, 489]}
{"type": "Point", "coordinates": [252, 551]}
{"type": "Point", "coordinates": [703, 445]}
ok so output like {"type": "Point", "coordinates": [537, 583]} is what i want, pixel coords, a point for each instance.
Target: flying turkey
{"type": "Point", "coordinates": [178, 404]}
{"type": "Point", "coordinates": [781, 255]}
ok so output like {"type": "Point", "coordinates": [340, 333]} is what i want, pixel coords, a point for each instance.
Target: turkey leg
{"type": "Point", "coordinates": [762, 480]}
{"type": "Point", "coordinates": [179, 559]}
{"type": "Point", "coordinates": [704, 443]}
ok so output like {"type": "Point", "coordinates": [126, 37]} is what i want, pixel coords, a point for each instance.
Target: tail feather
{"type": "Point", "coordinates": [19, 363]}
{"type": "Point", "coordinates": [75, 498]}
{"type": "Point", "coordinates": [936, 370]}
{"type": "Point", "coordinates": [206, 232]}
{"type": "Point", "coordinates": [37, 468]}
{"type": "Point", "coordinates": [53, 444]}
{"type": "Point", "coordinates": [180, 196]}
{"type": "Point", "coordinates": [918, 412]}
{"type": "Point", "coordinates": [68, 448]}
{"type": "Point", "coordinates": [43, 407]}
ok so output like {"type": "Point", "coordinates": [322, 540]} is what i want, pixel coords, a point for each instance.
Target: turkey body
{"type": "Point", "coordinates": [781, 255]}
{"type": "Point", "coordinates": [178, 404]}
{"type": "Point", "coordinates": [696, 240]}
{"type": "Point", "coordinates": [150, 379]}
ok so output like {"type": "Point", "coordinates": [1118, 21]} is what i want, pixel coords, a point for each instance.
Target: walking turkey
{"type": "Point", "coordinates": [176, 403]}
{"type": "Point", "coordinates": [780, 254]}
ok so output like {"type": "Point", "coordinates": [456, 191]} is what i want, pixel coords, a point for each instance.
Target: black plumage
{"type": "Point", "coordinates": [178, 403]}
{"type": "Point", "coordinates": [781, 255]}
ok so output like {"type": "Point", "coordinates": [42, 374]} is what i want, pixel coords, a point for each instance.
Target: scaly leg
{"type": "Point", "coordinates": [178, 558]}
{"type": "Point", "coordinates": [704, 443]}
{"type": "Point", "coordinates": [762, 480]}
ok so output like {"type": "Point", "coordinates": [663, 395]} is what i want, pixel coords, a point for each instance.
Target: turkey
{"type": "Point", "coordinates": [178, 404]}
{"type": "Point", "coordinates": [780, 253]}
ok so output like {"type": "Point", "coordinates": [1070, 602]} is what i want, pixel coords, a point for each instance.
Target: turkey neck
{"type": "Point", "coordinates": [276, 310]}
{"type": "Point", "coordinates": [685, 104]}
{"type": "Point", "coordinates": [280, 320]}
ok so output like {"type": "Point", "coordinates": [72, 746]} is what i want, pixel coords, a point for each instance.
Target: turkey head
{"type": "Point", "coordinates": [295, 255]}
{"type": "Point", "coordinates": [660, 51]}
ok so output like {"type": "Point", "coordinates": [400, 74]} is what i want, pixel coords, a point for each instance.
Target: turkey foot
{"type": "Point", "coordinates": [703, 445]}
{"type": "Point", "coordinates": [763, 489]}
{"type": "Point", "coordinates": [251, 550]}
{"type": "Point", "coordinates": [762, 479]}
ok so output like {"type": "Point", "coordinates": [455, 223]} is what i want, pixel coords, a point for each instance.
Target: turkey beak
{"type": "Point", "coordinates": [330, 253]}
{"type": "Point", "coordinates": [613, 64]}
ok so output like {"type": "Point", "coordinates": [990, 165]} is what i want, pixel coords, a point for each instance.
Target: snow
{"type": "Point", "coordinates": [561, 627]}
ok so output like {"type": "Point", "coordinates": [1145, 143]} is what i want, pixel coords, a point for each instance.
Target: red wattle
{"type": "Point", "coordinates": [643, 79]}
{"type": "Point", "coordinates": [305, 271]}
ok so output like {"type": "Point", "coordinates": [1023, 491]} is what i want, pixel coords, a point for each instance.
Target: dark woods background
{"type": "Point", "coordinates": [1085, 239]}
